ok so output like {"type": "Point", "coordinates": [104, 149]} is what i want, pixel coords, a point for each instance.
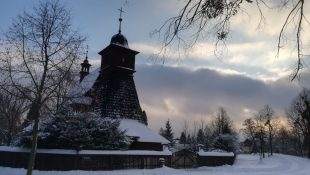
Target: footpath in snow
{"type": "Point", "coordinates": [244, 165]}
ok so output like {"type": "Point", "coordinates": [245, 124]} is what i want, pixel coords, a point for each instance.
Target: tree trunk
{"type": "Point", "coordinates": [262, 144]}
{"type": "Point", "coordinates": [308, 144]}
{"type": "Point", "coordinates": [254, 146]}
{"type": "Point", "coordinates": [33, 152]}
{"type": "Point", "coordinates": [270, 141]}
{"type": "Point", "coordinates": [271, 146]}
{"type": "Point", "coordinates": [34, 113]}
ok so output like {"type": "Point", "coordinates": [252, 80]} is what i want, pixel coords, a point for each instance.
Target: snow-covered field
{"type": "Point", "coordinates": [245, 165]}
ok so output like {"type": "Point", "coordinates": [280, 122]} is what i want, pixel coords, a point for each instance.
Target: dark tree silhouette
{"type": "Point", "coordinates": [167, 132]}
{"type": "Point", "coordinates": [183, 139]}
{"type": "Point", "coordinates": [265, 115]}
{"type": "Point", "coordinates": [264, 125]}
{"type": "Point", "coordinates": [11, 116]}
{"type": "Point", "coordinates": [223, 132]}
{"type": "Point", "coordinates": [299, 116]}
{"type": "Point", "coordinates": [200, 137]}
{"type": "Point", "coordinates": [249, 131]}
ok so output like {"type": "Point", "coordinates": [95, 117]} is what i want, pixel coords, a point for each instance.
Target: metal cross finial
{"type": "Point", "coordinates": [120, 19]}
{"type": "Point", "coordinates": [86, 54]}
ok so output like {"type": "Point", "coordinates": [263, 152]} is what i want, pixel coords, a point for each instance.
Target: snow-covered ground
{"type": "Point", "coordinates": [245, 165]}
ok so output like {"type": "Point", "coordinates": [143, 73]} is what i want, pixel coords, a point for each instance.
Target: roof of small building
{"type": "Point", "coordinates": [80, 88]}
{"type": "Point", "coordinates": [144, 134]}
{"type": "Point", "coordinates": [165, 152]}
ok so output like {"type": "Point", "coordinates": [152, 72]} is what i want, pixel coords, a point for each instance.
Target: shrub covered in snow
{"type": "Point", "coordinates": [78, 131]}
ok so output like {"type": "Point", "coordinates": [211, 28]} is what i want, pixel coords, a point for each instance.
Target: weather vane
{"type": "Point", "coordinates": [86, 54]}
{"type": "Point", "coordinates": [120, 19]}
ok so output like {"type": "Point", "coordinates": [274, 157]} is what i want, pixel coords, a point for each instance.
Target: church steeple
{"type": "Point", "coordinates": [118, 55]}
{"type": "Point", "coordinates": [115, 88]}
{"type": "Point", "coordinates": [84, 67]}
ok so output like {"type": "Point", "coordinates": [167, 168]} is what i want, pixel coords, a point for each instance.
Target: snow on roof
{"type": "Point", "coordinates": [126, 152]}
{"type": "Point", "coordinates": [87, 152]}
{"type": "Point", "coordinates": [80, 88]}
{"type": "Point", "coordinates": [47, 151]}
{"type": "Point", "coordinates": [215, 153]}
{"type": "Point", "coordinates": [136, 129]}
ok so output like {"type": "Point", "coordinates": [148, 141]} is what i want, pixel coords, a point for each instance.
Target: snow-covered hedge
{"type": "Point", "coordinates": [77, 131]}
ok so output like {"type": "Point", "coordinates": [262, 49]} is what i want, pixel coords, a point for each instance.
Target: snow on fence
{"type": "Point", "coordinates": [59, 159]}
{"type": "Point", "coordinates": [218, 154]}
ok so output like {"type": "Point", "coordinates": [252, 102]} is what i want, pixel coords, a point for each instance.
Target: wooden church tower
{"type": "Point", "coordinates": [115, 94]}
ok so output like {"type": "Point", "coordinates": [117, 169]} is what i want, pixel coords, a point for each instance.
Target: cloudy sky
{"type": "Point", "coordinates": [191, 86]}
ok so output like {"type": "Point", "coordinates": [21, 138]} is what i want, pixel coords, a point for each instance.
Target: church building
{"type": "Point", "coordinates": [110, 90]}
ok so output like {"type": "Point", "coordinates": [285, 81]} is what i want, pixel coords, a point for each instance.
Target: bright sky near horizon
{"type": "Point", "coordinates": [246, 77]}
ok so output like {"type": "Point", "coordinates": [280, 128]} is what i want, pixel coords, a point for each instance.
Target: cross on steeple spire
{"type": "Point", "coordinates": [86, 54]}
{"type": "Point", "coordinates": [120, 19]}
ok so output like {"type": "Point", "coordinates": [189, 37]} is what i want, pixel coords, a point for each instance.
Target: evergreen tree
{"type": "Point", "coordinates": [78, 131]}
{"type": "Point", "coordinates": [200, 137]}
{"type": "Point", "coordinates": [183, 139]}
{"type": "Point", "coordinates": [188, 139]}
{"type": "Point", "coordinates": [223, 133]}
{"type": "Point", "coordinates": [167, 132]}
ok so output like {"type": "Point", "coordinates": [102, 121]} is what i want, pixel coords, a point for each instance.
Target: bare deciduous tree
{"type": "Point", "coordinates": [12, 109]}
{"type": "Point", "coordinates": [299, 117]}
{"type": "Point", "coordinates": [266, 115]}
{"type": "Point", "coordinates": [250, 132]}
{"type": "Point", "coordinates": [199, 17]}
{"type": "Point", "coordinates": [42, 49]}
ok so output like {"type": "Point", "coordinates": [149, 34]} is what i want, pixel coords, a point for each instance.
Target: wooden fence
{"type": "Point", "coordinates": [48, 161]}
{"type": "Point", "coordinates": [109, 160]}
{"type": "Point", "coordinates": [216, 160]}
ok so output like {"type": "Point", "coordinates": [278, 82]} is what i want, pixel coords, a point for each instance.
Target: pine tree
{"type": "Point", "coordinates": [168, 132]}
{"type": "Point", "coordinates": [188, 139]}
{"type": "Point", "coordinates": [183, 139]}
{"type": "Point", "coordinates": [200, 137]}
{"type": "Point", "coordinates": [223, 133]}
{"type": "Point", "coordinates": [78, 131]}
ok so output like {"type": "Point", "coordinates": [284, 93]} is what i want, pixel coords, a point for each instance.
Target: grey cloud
{"type": "Point", "coordinates": [197, 94]}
